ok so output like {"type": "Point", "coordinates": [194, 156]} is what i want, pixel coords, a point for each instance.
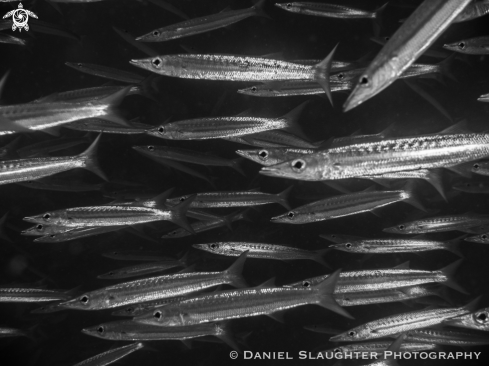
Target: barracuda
{"type": "Point", "coordinates": [478, 320]}
{"type": "Point", "coordinates": [111, 356]}
{"type": "Point", "coordinates": [140, 270]}
{"type": "Point", "coordinates": [447, 337]}
{"type": "Point", "coordinates": [378, 348]}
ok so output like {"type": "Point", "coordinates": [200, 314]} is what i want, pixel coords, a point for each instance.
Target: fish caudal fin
{"type": "Point", "coordinates": [114, 100]}
{"type": "Point", "coordinates": [236, 270]}
{"type": "Point", "coordinates": [449, 272]}
{"type": "Point", "coordinates": [91, 161]}
{"type": "Point", "coordinates": [434, 178]}
{"type": "Point", "coordinates": [283, 198]}
{"type": "Point", "coordinates": [292, 117]}
{"type": "Point", "coordinates": [378, 19]}
{"type": "Point", "coordinates": [411, 197]}
{"type": "Point", "coordinates": [326, 289]}
{"type": "Point", "coordinates": [319, 257]}
{"type": "Point", "coordinates": [179, 214]}
{"type": "Point", "coordinates": [259, 9]}
{"type": "Point", "coordinates": [322, 71]}
{"type": "Point", "coordinates": [227, 336]}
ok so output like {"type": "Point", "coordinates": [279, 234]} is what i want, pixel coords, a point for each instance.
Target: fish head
{"type": "Point", "coordinates": [478, 167]}
{"type": "Point", "coordinates": [99, 331]}
{"type": "Point", "coordinates": [88, 301]}
{"type": "Point", "coordinates": [157, 35]}
{"type": "Point", "coordinates": [371, 83]}
{"type": "Point", "coordinates": [311, 167]}
{"type": "Point", "coordinates": [406, 228]}
{"type": "Point", "coordinates": [129, 311]}
{"type": "Point", "coordinates": [460, 46]}
{"type": "Point", "coordinates": [292, 7]}
{"type": "Point", "coordinates": [266, 157]}
{"type": "Point", "coordinates": [478, 320]}
{"type": "Point", "coordinates": [177, 233]}
{"type": "Point", "coordinates": [481, 238]}
{"type": "Point", "coordinates": [290, 217]}
{"type": "Point", "coordinates": [346, 246]}
{"type": "Point", "coordinates": [210, 247]}
{"type": "Point", "coordinates": [166, 131]}
{"type": "Point", "coordinates": [160, 317]}
{"type": "Point", "coordinates": [255, 90]}
{"type": "Point", "coordinates": [355, 334]}
{"type": "Point", "coordinates": [39, 229]}
{"type": "Point", "coordinates": [51, 218]}
{"type": "Point", "coordinates": [162, 65]}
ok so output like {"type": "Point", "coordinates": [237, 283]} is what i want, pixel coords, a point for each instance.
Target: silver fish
{"type": "Point", "coordinates": [107, 72]}
{"type": "Point", "coordinates": [330, 10]}
{"type": "Point", "coordinates": [343, 205]}
{"type": "Point", "coordinates": [401, 323]}
{"type": "Point", "coordinates": [20, 170]}
{"type": "Point", "coordinates": [395, 245]}
{"type": "Point", "coordinates": [262, 251]}
{"type": "Point", "coordinates": [272, 156]}
{"type": "Point", "coordinates": [234, 199]}
{"type": "Point", "coordinates": [145, 307]}
{"type": "Point", "coordinates": [472, 187]}
{"type": "Point", "coordinates": [236, 68]}
{"type": "Point", "coordinates": [439, 224]}
{"type": "Point", "coordinates": [279, 138]}
{"type": "Point", "coordinates": [88, 94]}
{"type": "Point", "coordinates": [447, 337]}
{"type": "Point", "coordinates": [111, 356]}
{"type": "Point", "coordinates": [220, 127]}
{"type": "Point", "coordinates": [140, 270]}
{"type": "Point", "coordinates": [424, 26]}
{"type": "Point", "coordinates": [483, 98]}
{"type": "Point", "coordinates": [8, 39]}
{"type": "Point", "coordinates": [202, 24]}
{"type": "Point", "coordinates": [472, 46]}
{"type": "Point", "coordinates": [481, 238]}
{"type": "Point", "coordinates": [378, 348]}
{"type": "Point", "coordinates": [387, 156]}
{"type": "Point", "coordinates": [242, 303]}
{"type": "Point", "coordinates": [475, 10]}
{"type": "Point", "coordinates": [22, 294]}
{"type": "Point", "coordinates": [390, 278]}
{"type": "Point", "coordinates": [7, 332]}
{"type": "Point", "coordinates": [76, 233]}
{"type": "Point", "coordinates": [40, 230]}
{"type": "Point", "coordinates": [292, 88]}
{"type": "Point", "coordinates": [154, 288]}
{"type": "Point", "coordinates": [478, 320]}
{"type": "Point", "coordinates": [103, 126]}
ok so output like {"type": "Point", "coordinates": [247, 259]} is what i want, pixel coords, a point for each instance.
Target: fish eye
{"type": "Point", "coordinates": [364, 80]}
{"type": "Point", "coordinates": [46, 216]}
{"type": "Point", "coordinates": [482, 317]}
{"type": "Point", "coordinates": [291, 215]}
{"type": "Point", "coordinates": [306, 284]}
{"type": "Point", "coordinates": [100, 330]}
{"type": "Point", "coordinates": [337, 350]}
{"type": "Point", "coordinates": [461, 45]}
{"type": "Point", "coordinates": [182, 199]}
{"type": "Point", "coordinates": [387, 38]}
{"type": "Point", "coordinates": [84, 299]}
{"type": "Point", "coordinates": [352, 333]}
{"type": "Point", "coordinates": [348, 245]}
{"type": "Point", "coordinates": [151, 148]}
{"type": "Point", "coordinates": [214, 245]}
{"type": "Point", "coordinates": [156, 62]}
{"type": "Point", "coordinates": [263, 154]}
{"type": "Point", "coordinates": [253, 88]}
{"type": "Point", "coordinates": [288, 6]}
{"type": "Point", "coordinates": [401, 227]}
{"type": "Point", "coordinates": [157, 314]}
{"type": "Point", "coordinates": [484, 236]}
{"type": "Point", "coordinates": [476, 166]}
{"type": "Point", "coordinates": [161, 129]}
{"type": "Point", "coordinates": [39, 227]}
{"type": "Point", "coordinates": [156, 33]}
{"type": "Point", "coordinates": [341, 76]}
{"type": "Point", "coordinates": [111, 273]}
{"type": "Point", "coordinates": [298, 165]}
{"type": "Point", "coordinates": [467, 184]}
{"type": "Point", "coordinates": [129, 310]}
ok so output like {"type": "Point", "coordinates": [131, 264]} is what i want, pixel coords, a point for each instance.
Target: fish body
{"type": "Point", "coordinates": [329, 10]}
{"type": "Point", "coordinates": [272, 156]}
{"type": "Point", "coordinates": [76, 233]}
{"type": "Point", "coordinates": [111, 356]}
{"type": "Point", "coordinates": [103, 126]}
{"type": "Point", "coordinates": [447, 336]}
{"type": "Point", "coordinates": [478, 320]}
{"type": "Point", "coordinates": [145, 307]}
{"type": "Point", "coordinates": [21, 294]}
{"type": "Point", "coordinates": [292, 88]}
{"type": "Point", "coordinates": [378, 348]}
{"type": "Point", "coordinates": [481, 238]}
{"type": "Point", "coordinates": [439, 224]}
{"type": "Point", "coordinates": [483, 98]}
{"type": "Point", "coordinates": [475, 10]}
{"type": "Point", "coordinates": [473, 187]}
{"type": "Point", "coordinates": [140, 270]}
{"type": "Point", "coordinates": [472, 46]}
{"type": "Point", "coordinates": [7, 332]}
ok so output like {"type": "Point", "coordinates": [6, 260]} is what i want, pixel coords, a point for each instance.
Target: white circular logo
{"type": "Point", "coordinates": [20, 17]}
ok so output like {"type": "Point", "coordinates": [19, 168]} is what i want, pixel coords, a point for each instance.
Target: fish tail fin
{"type": "Point", "coordinates": [411, 197]}
{"type": "Point", "coordinates": [236, 270]}
{"type": "Point", "coordinates": [434, 178]}
{"type": "Point", "coordinates": [112, 101]}
{"type": "Point", "coordinates": [319, 257]}
{"type": "Point", "coordinates": [90, 159]}
{"type": "Point", "coordinates": [258, 7]}
{"type": "Point", "coordinates": [236, 165]}
{"type": "Point", "coordinates": [454, 245]}
{"type": "Point", "coordinates": [292, 120]}
{"type": "Point", "coordinates": [326, 299]}
{"type": "Point", "coordinates": [322, 71]}
{"type": "Point", "coordinates": [449, 272]}
{"type": "Point", "coordinates": [225, 334]}
{"type": "Point", "coordinates": [446, 67]}
{"type": "Point", "coordinates": [179, 214]}
{"type": "Point", "coordinates": [284, 197]}
{"type": "Point", "coordinates": [378, 19]}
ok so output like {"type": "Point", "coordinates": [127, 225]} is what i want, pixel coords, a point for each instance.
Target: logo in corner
{"type": "Point", "coordinates": [20, 17]}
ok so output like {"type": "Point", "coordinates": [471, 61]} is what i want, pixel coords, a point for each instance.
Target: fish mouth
{"type": "Point", "coordinates": [270, 171]}
{"type": "Point", "coordinates": [30, 219]}
{"type": "Point", "coordinates": [336, 338]}
{"type": "Point", "coordinates": [143, 63]}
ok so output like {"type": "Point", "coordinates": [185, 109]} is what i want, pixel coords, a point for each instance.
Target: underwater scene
{"type": "Point", "coordinates": [237, 182]}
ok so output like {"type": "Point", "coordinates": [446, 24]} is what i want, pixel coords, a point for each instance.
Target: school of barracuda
{"type": "Point", "coordinates": [190, 303]}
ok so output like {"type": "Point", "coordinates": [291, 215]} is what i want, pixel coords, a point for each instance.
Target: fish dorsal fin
{"type": "Point", "coordinates": [356, 133]}
{"type": "Point", "coordinates": [459, 127]}
{"type": "Point", "coordinates": [396, 345]}
{"type": "Point", "coordinates": [387, 132]}
{"type": "Point", "coordinates": [189, 269]}
{"type": "Point", "coordinates": [404, 265]}
{"type": "Point", "coordinates": [268, 283]}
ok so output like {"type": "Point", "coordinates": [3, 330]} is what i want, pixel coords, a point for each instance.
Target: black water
{"type": "Point", "coordinates": [38, 70]}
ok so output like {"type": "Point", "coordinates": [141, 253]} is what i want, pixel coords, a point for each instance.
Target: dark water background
{"type": "Point", "coordinates": [38, 70]}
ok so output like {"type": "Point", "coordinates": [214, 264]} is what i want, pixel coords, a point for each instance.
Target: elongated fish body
{"type": "Point", "coordinates": [475, 10]}
{"type": "Point", "coordinates": [439, 224]}
{"type": "Point", "coordinates": [103, 126]}
{"type": "Point", "coordinates": [241, 303]}
{"type": "Point", "coordinates": [481, 238]}
{"type": "Point", "coordinates": [216, 127]}
{"type": "Point", "coordinates": [478, 320]}
{"type": "Point", "coordinates": [128, 330]}
{"type": "Point", "coordinates": [8, 39]}
{"type": "Point", "coordinates": [258, 250]}
{"type": "Point", "coordinates": [140, 270]}
{"type": "Point", "coordinates": [472, 187]}
{"type": "Point", "coordinates": [424, 26]}
{"type": "Point", "coordinates": [21, 294]}
{"type": "Point", "coordinates": [233, 199]}
{"type": "Point", "coordinates": [293, 88]}
{"type": "Point", "coordinates": [88, 94]}
{"type": "Point", "coordinates": [384, 296]}
{"type": "Point", "coordinates": [472, 46]}
{"type": "Point", "coordinates": [399, 323]}
{"type": "Point", "coordinates": [392, 245]}
{"type": "Point", "coordinates": [154, 288]}
{"type": "Point", "coordinates": [252, 141]}
{"type": "Point", "coordinates": [61, 186]}
{"type": "Point", "coordinates": [107, 72]}
{"type": "Point", "coordinates": [280, 138]}
{"type": "Point", "coordinates": [111, 356]}
{"type": "Point", "coordinates": [387, 156]}
{"type": "Point", "coordinates": [200, 25]}
{"type": "Point", "coordinates": [40, 230]}
{"type": "Point", "coordinates": [76, 233]}
{"type": "Point", "coordinates": [340, 206]}
{"type": "Point", "coordinates": [136, 255]}
{"type": "Point", "coordinates": [378, 348]}
{"type": "Point", "coordinates": [7, 332]}
{"type": "Point", "coordinates": [203, 226]}
{"type": "Point", "coordinates": [327, 10]}
{"type": "Point", "coordinates": [448, 336]}
{"type": "Point", "coordinates": [145, 307]}
{"type": "Point", "coordinates": [272, 156]}
{"type": "Point", "coordinates": [483, 98]}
